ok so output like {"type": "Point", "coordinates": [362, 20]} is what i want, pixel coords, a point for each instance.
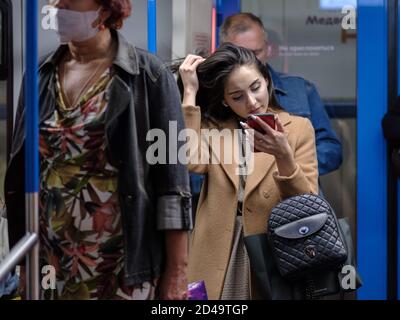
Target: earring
{"type": "Point", "coordinates": [224, 104]}
{"type": "Point", "coordinates": [116, 25]}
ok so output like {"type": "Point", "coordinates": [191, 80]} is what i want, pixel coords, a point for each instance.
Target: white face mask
{"type": "Point", "coordinates": [74, 25]}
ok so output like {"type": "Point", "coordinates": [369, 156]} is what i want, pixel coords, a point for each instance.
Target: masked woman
{"type": "Point", "coordinates": [112, 225]}
{"type": "Point", "coordinates": [219, 93]}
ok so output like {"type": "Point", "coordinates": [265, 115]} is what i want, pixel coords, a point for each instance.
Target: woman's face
{"type": "Point", "coordinates": [246, 91]}
{"type": "Point", "coordinates": [75, 5]}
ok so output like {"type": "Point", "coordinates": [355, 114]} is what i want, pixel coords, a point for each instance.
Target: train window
{"type": "Point", "coordinates": [306, 38]}
{"type": "Point", "coordinates": [316, 40]}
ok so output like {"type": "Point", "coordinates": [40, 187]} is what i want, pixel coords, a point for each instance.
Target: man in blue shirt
{"type": "Point", "coordinates": [295, 94]}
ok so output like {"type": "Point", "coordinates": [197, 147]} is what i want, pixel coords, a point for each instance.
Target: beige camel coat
{"type": "Point", "coordinates": [211, 240]}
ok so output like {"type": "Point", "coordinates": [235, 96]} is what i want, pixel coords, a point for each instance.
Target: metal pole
{"type": "Point", "coordinates": [152, 25]}
{"type": "Point", "coordinates": [32, 145]}
{"type": "Point", "coordinates": [17, 253]}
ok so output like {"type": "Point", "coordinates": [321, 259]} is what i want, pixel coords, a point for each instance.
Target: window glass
{"type": "Point", "coordinates": [306, 38]}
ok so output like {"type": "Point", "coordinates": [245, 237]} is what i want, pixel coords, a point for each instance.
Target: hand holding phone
{"type": "Point", "coordinates": [268, 118]}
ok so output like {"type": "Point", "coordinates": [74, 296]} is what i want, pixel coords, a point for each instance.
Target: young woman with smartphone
{"type": "Point", "coordinates": [222, 92]}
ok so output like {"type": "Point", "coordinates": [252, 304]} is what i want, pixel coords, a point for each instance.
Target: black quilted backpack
{"type": "Point", "coordinates": [305, 237]}
{"type": "Point", "coordinates": [307, 253]}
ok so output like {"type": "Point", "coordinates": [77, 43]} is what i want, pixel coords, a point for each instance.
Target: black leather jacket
{"type": "Point", "coordinates": [153, 198]}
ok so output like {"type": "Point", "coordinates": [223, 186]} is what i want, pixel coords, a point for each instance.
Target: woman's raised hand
{"type": "Point", "coordinates": [189, 78]}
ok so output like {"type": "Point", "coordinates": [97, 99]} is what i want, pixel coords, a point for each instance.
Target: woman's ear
{"type": "Point", "coordinates": [104, 14]}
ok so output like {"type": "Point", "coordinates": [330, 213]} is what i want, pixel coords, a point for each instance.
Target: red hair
{"type": "Point", "coordinates": [120, 10]}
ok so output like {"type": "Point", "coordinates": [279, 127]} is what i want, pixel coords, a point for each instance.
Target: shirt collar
{"type": "Point", "coordinates": [126, 57]}
{"type": "Point", "coordinates": [276, 81]}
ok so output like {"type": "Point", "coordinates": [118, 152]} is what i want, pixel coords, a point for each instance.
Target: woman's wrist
{"type": "Point", "coordinates": [286, 163]}
{"type": "Point", "coordinates": [177, 251]}
{"type": "Point", "coordinates": [189, 97]}
{"type": "Point", "coordinates": [286, 170]}
{"type": "Point", "coordinates": [177, 266]}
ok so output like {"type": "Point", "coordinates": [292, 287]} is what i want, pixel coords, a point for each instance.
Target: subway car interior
{"type": "Point", "coordinates": [347, 48]}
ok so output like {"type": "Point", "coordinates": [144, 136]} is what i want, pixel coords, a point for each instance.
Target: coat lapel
{"type": "Point", "coordinates": [229, 160]}
{"type": "Point", "coordinates": [119, 97]}
{"type": "Point", "coordinates": [263, 162]}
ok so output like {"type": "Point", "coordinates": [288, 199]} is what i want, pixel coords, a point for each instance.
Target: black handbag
{"type": "Point", "coordinates": [312, 280]}
{"type": "Point", "coordinates": [305, 237]}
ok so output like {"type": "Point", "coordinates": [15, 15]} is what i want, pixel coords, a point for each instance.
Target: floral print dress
{"type": "Point", "coordinates": [80, 221]}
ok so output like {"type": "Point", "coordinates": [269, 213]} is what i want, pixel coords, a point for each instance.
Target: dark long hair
{"type": "Point", "coordinates": [213, 74]}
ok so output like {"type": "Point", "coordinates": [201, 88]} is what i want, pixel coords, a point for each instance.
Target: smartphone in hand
{"type": "Point", "coordinates": [268, 118]}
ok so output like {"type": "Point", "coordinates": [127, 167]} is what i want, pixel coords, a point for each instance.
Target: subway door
{"type": "Point", "coordinates": [377, 203]}
{"type": "Point", "coordinates": [391, 130]}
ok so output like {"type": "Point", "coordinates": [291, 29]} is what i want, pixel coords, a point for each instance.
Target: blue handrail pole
{"type": "Point", "coordinates": [152, 25]}
{"type": "Point", "coordinates": [32, 145]}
